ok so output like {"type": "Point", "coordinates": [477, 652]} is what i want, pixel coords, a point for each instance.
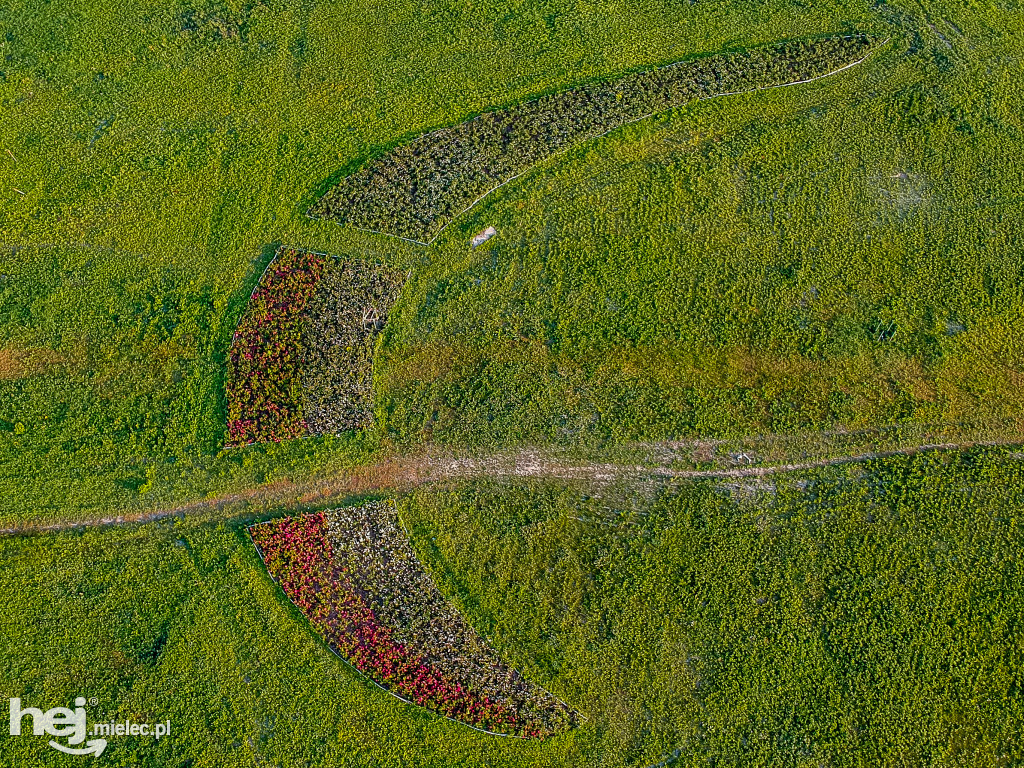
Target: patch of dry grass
{"type": "Point", "coordinates": [20, 363]}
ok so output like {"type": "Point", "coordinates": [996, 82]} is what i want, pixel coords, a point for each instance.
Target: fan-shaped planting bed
{"type": "Point", "coordinates": [416, 189]}
{"type": "Point", "coordinates": [301, 359]}
{"type": "Point", "coordinates": [354, 575]}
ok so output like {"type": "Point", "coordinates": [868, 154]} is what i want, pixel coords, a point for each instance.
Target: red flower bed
{"type": "Point", "coordinates": [301, 360]}
{"type": "Point", "coordinates": [299, 555]}
{"type": "Point", "coordinates": [263, 387]}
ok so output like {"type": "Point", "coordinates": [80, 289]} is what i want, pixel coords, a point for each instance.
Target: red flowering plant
{"type": "Point", "coordinates": [263, 387]}
{"type": "Point", "coordinates": [355, 577]}
{"type": "Point", "coordinates": [301, 359]}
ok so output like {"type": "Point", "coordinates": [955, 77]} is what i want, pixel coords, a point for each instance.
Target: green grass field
{"type": "Point", "coordinates": [837, 254]}
{"type": "Point", "coordinates": [831, 257]}
{"type": "Point", "coordinates": [865, 616]}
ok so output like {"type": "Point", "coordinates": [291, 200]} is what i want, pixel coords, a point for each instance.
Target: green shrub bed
{"type": "Point", "coordinates": [415, 190]}
{"type": "Point", "coordinates": [301, 360]}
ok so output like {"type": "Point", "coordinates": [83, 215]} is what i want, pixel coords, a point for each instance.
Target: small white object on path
{"type": "Point", "coordinates": [484, 236]}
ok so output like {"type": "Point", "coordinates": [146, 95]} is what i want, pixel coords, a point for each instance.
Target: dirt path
{"type": "Point", "coordinates": [533, 465]}
{"type": "Point", "coordinates": [404, 473]}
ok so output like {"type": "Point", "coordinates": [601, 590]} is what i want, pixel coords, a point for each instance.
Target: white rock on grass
{"type": "Point", "coordinates": [484, 236]}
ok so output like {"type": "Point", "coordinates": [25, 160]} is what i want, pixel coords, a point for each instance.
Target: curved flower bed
{"type": "Point", "coordinates": [357, 580]}
{"type": "Point", "coordinates": [416, 189]}
{"type": "Point", "coordinates": [300, 361]}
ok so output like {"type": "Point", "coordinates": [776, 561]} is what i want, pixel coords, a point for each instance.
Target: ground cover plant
{"type": "Point", "coordinates": [301, 360]}
{"type": "Point", "coordinates": [415, 190]}
{"type": "Point", "coordinates": [353, 574]}
{"type": "Point", "coordinates": [348, 312]}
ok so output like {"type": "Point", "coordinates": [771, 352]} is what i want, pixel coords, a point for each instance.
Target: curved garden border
{"type": "Point", "coordinates": [353, 574]}
{"type": "Point", "coordinates": [300, 361]}
{"type": "Point", "coordinates": [417, 189]}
